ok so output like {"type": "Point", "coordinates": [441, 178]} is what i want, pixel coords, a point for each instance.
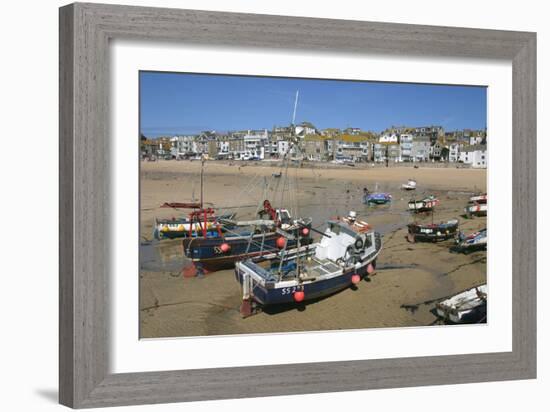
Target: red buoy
{"type": "Point", "coordinates": [355, 279]}
{"type": "Point", "coordinates": [305, 231]}
{"type": "Point", "coordinates": [225, 247]}
{"type": "Point", "coordinates": [280, 242]}
{"type": "Point", "coordinates": [370, 268]}
{"type": "Point", "coordinates": [299, 295]}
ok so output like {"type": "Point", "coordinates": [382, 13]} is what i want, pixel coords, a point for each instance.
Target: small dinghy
{"type": "Point", "coordinates": [469, 306]}
{"type": "Point", "coordinates": [410, 185]}
{"type": "Point", "coordinates": [471, 243]}
{"type": "Point", "coordinates": [377, 199]}
{"type": "Point", "coordinates": [425, 205]}
{"type": "Point", "coordinates": [346, 253]}
{"type": "Point", "coordinates": [434, 232]}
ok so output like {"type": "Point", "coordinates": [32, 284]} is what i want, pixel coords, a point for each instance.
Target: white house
{"type": "Point", "coordinates": [366, 150]}
{"type": "Point", "coordinates": [255, 154]}
{"type": "Point", "coordinates": [282, 147]}
{"type": "Point", "coordinates": [388, 138]}
{"type": "Point", "coordinates": [454, 152]}
{"type": "Point", "coordinates": [406, 147]}
{"type": "Point", "coordinates": [271, 148]}
{"type": "Point", "coordinates": [379, 152]}
{"type": "Point", "coordinates": [475, 140]}
{"type": "Point", "coordinates": [421, 149]}
{"type": "Point", "coordinates": [254, 143]}
{"type": "Point", "coordinates": [304, 129]}
{"type": "Point", "coordinates": [475, 156]}
{"type": "Point", "coordinates": [183, 145]}
{"type": "Point", "coordinates": [223, 147]}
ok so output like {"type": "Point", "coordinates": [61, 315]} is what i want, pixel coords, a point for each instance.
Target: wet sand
{"type": "Point", "coordinates": [409, 279]}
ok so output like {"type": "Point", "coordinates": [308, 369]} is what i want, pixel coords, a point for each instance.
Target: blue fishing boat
{"type": "Point", "coordinates": [471, 243]}
{"type": "Point", "coordinates": [220, 250]}
{"type": "Point", "coordinates": [377, 199]}
{"type": "Point", "coordinates": [346, 254]}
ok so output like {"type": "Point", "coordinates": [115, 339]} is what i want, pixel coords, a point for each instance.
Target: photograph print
{"type": "Point", "coordinates": [273, 205]}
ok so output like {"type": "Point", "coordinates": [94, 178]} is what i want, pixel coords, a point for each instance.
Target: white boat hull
{"type": "Point", "coordinates": [457, 308]}
{"type": "Point", "coordinates": [478, 209]}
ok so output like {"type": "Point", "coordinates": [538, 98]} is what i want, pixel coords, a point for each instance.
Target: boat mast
{"type": "Point", "coordinates": [295, 140]}
{"type": "Point", "coordinates": [295, 105]}
{"type": "Point", "coordinates": [202, 174]}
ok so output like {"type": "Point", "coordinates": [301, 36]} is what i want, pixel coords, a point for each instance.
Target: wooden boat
{"type": "Point", "coordinates": [356, 224]}
{"type": "Point", "coordinates": [471, 243]}
{"type": "Point", "coordinates": [469, 306]}
{"type": "Point", "coordinates": [201, 221]}
{"type": "Point", "coordinates": [433, 232]}
{"type": "Point", "coordinates": [346, 254]}
{"type": "Point", "coordinates": [481, 199]}
{"type": "Point", "coordinates": [190, 226]}
{"type": "Point", "coordinates": [377, 198]}
{"type": "Point", "coordinates": [475, 209]}
{"type": "Point", "coordinates": [410, 185]}
{"type": "Point", "coordinates": [425, 205]}
{"type": "Point", "coordinates": [212, 252]}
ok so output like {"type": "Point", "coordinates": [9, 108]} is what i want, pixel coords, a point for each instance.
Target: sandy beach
{"type": "Point", "coordinates": [409, 278]}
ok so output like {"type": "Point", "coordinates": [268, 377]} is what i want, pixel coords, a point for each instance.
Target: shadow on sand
{"type": "Point", "coordinates": [300, 307]}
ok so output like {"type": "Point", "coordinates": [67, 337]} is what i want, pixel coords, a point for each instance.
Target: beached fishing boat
{"type": "Point", "coordinates": [481, 199]}
{"type": "Point", "coordinates": [410, 185]}
{"type": "Point", "coordinates": [433, 232]}
{"type": "Point", "coordinates": [246, 239]}
{"type": "Point", "coordinates": [377, 198]}
{"type": "Point", "coordinates": [346, 254]}
{"type": "Point", "coordinates": [424, 205]}
{"type": "Point", "coordinates": [192, 225]}
{"type": "Point", "coordinates": [469, 306]}
{"type": "Point", "coordinates": [200, 221]}
{"type": "Point", "coordinates": [471, 243]}
{"type": "Point", "coordinates": [475, 209]}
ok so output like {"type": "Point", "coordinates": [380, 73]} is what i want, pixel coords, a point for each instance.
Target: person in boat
{"type": "Point", "coordinates": [356, 224]}
{"type": "Point", "coordinates": [365, 192]}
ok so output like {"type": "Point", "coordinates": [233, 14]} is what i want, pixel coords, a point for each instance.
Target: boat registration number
{"type": "Point", "coordinates": [289, 291]}
{"type": "Point", "coordinates": [426, 230]}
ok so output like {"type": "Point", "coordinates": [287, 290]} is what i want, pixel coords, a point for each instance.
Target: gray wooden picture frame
{"type": "Point", "coordinates": [85, 32]}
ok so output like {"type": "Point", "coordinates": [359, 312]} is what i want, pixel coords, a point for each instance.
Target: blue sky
{"type": "Point", "coordinates": [179, 103]}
